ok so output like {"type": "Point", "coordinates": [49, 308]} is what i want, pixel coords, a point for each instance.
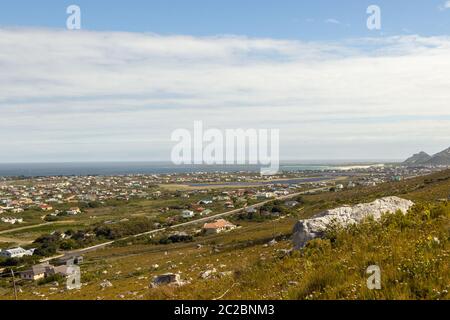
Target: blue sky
{"type": "Point", "coordinates": [287, 19]}
{"type": "Point", "coordinates": [138, 70]}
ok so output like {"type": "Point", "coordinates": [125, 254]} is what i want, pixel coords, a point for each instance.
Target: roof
{"type": "Point", "coordinates": [221, 223]}
{"type": "Point", "coordinates": [15, 250]}
{"type": "Point", "coordinates": [38, 269]}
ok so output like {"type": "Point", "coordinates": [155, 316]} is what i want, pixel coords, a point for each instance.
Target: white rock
{"type": "Point", "coordinates": [167, 279]}
{"type": "Point", "coordinates": [306, 230]}
{"type": "Point", "coordinates": [208, 273]}
{"type": "Point", "coordinates": [105, 284]}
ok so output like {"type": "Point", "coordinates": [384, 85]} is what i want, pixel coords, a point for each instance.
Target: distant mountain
{"type": "Point", "coordinates": [422, 158]}
{"type": "Point", "coordinates": [418, 158]}
{"type": "Point", "coordinates": [440, 159]}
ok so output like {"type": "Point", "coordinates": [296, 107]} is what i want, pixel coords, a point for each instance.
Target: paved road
{"type": "Point", "coordinates": [201, 220]}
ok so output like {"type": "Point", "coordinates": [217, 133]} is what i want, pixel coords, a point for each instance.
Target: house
{"type": "Point", "coordinates": [206, 212]}
{"type": "Point", "coordinates": [37, 272]}
{"type": "Point", "coordinates": [251, 210]}
{"type": "Point", "coordinates": [45, 207]}
{"type": "Point", "coordinates": [73, 211]}
{"type": "Point", "coordinates": [16, 253]}
{"type": "Point", "coordinates": [187, 214]}
{"type": "Point", "coordinates": [281, 192]}
{"type": "Point", "coordinates": [229, 204]}
{"type": "Point", "coordinates": [205, 201]}
{"type": "Point", "coordinates": [157, 194]}
{"type": "Point", "coordinates": [199, 209]}
{"type": "Point", "coordinates": [11, 220]}
{"type": "Point", "coordinates": [291, 204]}
{"type": "Point", "coordinates": [218, 226]}
{"type": "Point", "coordinates": [43, 270]}
{"type": "Point", "coordinates": [265, 195]}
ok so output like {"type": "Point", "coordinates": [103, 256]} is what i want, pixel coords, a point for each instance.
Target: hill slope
{"type": "Point", "coordinates": [440, 159]}
{"type": "Point", "coordinates": [418, 158]}
{"type": "Point", "coordinates": [424, 159]}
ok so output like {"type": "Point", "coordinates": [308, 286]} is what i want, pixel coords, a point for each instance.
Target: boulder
{"type": "Point", "coordinates": [208, 273]}
{"type": "Point", "coordinates": [306, 230]}
{"type": "Point", "coordinates": [106, 284]}
{"type": "Point", "coordinates": [167, 279]}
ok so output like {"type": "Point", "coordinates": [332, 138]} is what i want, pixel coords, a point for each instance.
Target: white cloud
{"type": "Point", "coordinates": [332, 21]}
{"type": "Point", "coordinates": [117, 96]}
{"type": "Point", "coordinates": [445, 6]}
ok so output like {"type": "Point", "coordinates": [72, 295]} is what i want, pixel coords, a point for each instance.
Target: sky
{"type": "Point", "coordinates": [138, 70]}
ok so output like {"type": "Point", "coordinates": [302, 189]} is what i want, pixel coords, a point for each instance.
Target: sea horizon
{"type": "Point", "coordinates": [37, 169]}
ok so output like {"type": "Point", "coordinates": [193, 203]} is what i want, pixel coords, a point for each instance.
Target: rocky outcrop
{"type": "Point", "coordinates": [305, 230]}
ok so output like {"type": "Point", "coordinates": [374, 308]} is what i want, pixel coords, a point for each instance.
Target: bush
{"type": "Point", "coordinates": [55, 277]}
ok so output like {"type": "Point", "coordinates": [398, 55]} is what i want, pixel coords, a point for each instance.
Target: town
{"type": "Point", "coordinates": [59, 218]}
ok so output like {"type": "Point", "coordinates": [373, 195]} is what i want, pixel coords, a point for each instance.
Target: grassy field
{"type": "Point", "coordinates": [412, 252]}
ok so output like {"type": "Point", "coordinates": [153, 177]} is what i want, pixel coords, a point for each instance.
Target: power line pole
{"type": "Point", "coordinates": [14, 283]}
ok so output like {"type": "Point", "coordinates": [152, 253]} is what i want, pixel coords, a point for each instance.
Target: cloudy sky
{"type": "Point", "coordinates": [116, 89]}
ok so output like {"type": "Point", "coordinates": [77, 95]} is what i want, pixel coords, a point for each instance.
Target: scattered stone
{"type": "Point", "coordinates": [208, 273]}
{"type": "Point", "coordinates": [273, 242]}
{"type": "Point", "coordinates": [167, 279]}
{"type": "Point", "coordinates": [226, 273]}
{"type": "Point", "coordinates": [284, 252]}
{"type": "Point", "coordinates": [106, 284]}
{"type": "Point", "coordinates": [155, 266]}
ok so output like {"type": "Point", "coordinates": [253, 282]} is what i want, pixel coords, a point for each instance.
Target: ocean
{"type": "Point", "coordinates": [127, 168]}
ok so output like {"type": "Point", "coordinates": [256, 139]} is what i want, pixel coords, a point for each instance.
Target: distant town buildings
{"type": "Point", "coordinates": [218, 226]}
{"type": "Point", "coordinates": [16, 253]}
